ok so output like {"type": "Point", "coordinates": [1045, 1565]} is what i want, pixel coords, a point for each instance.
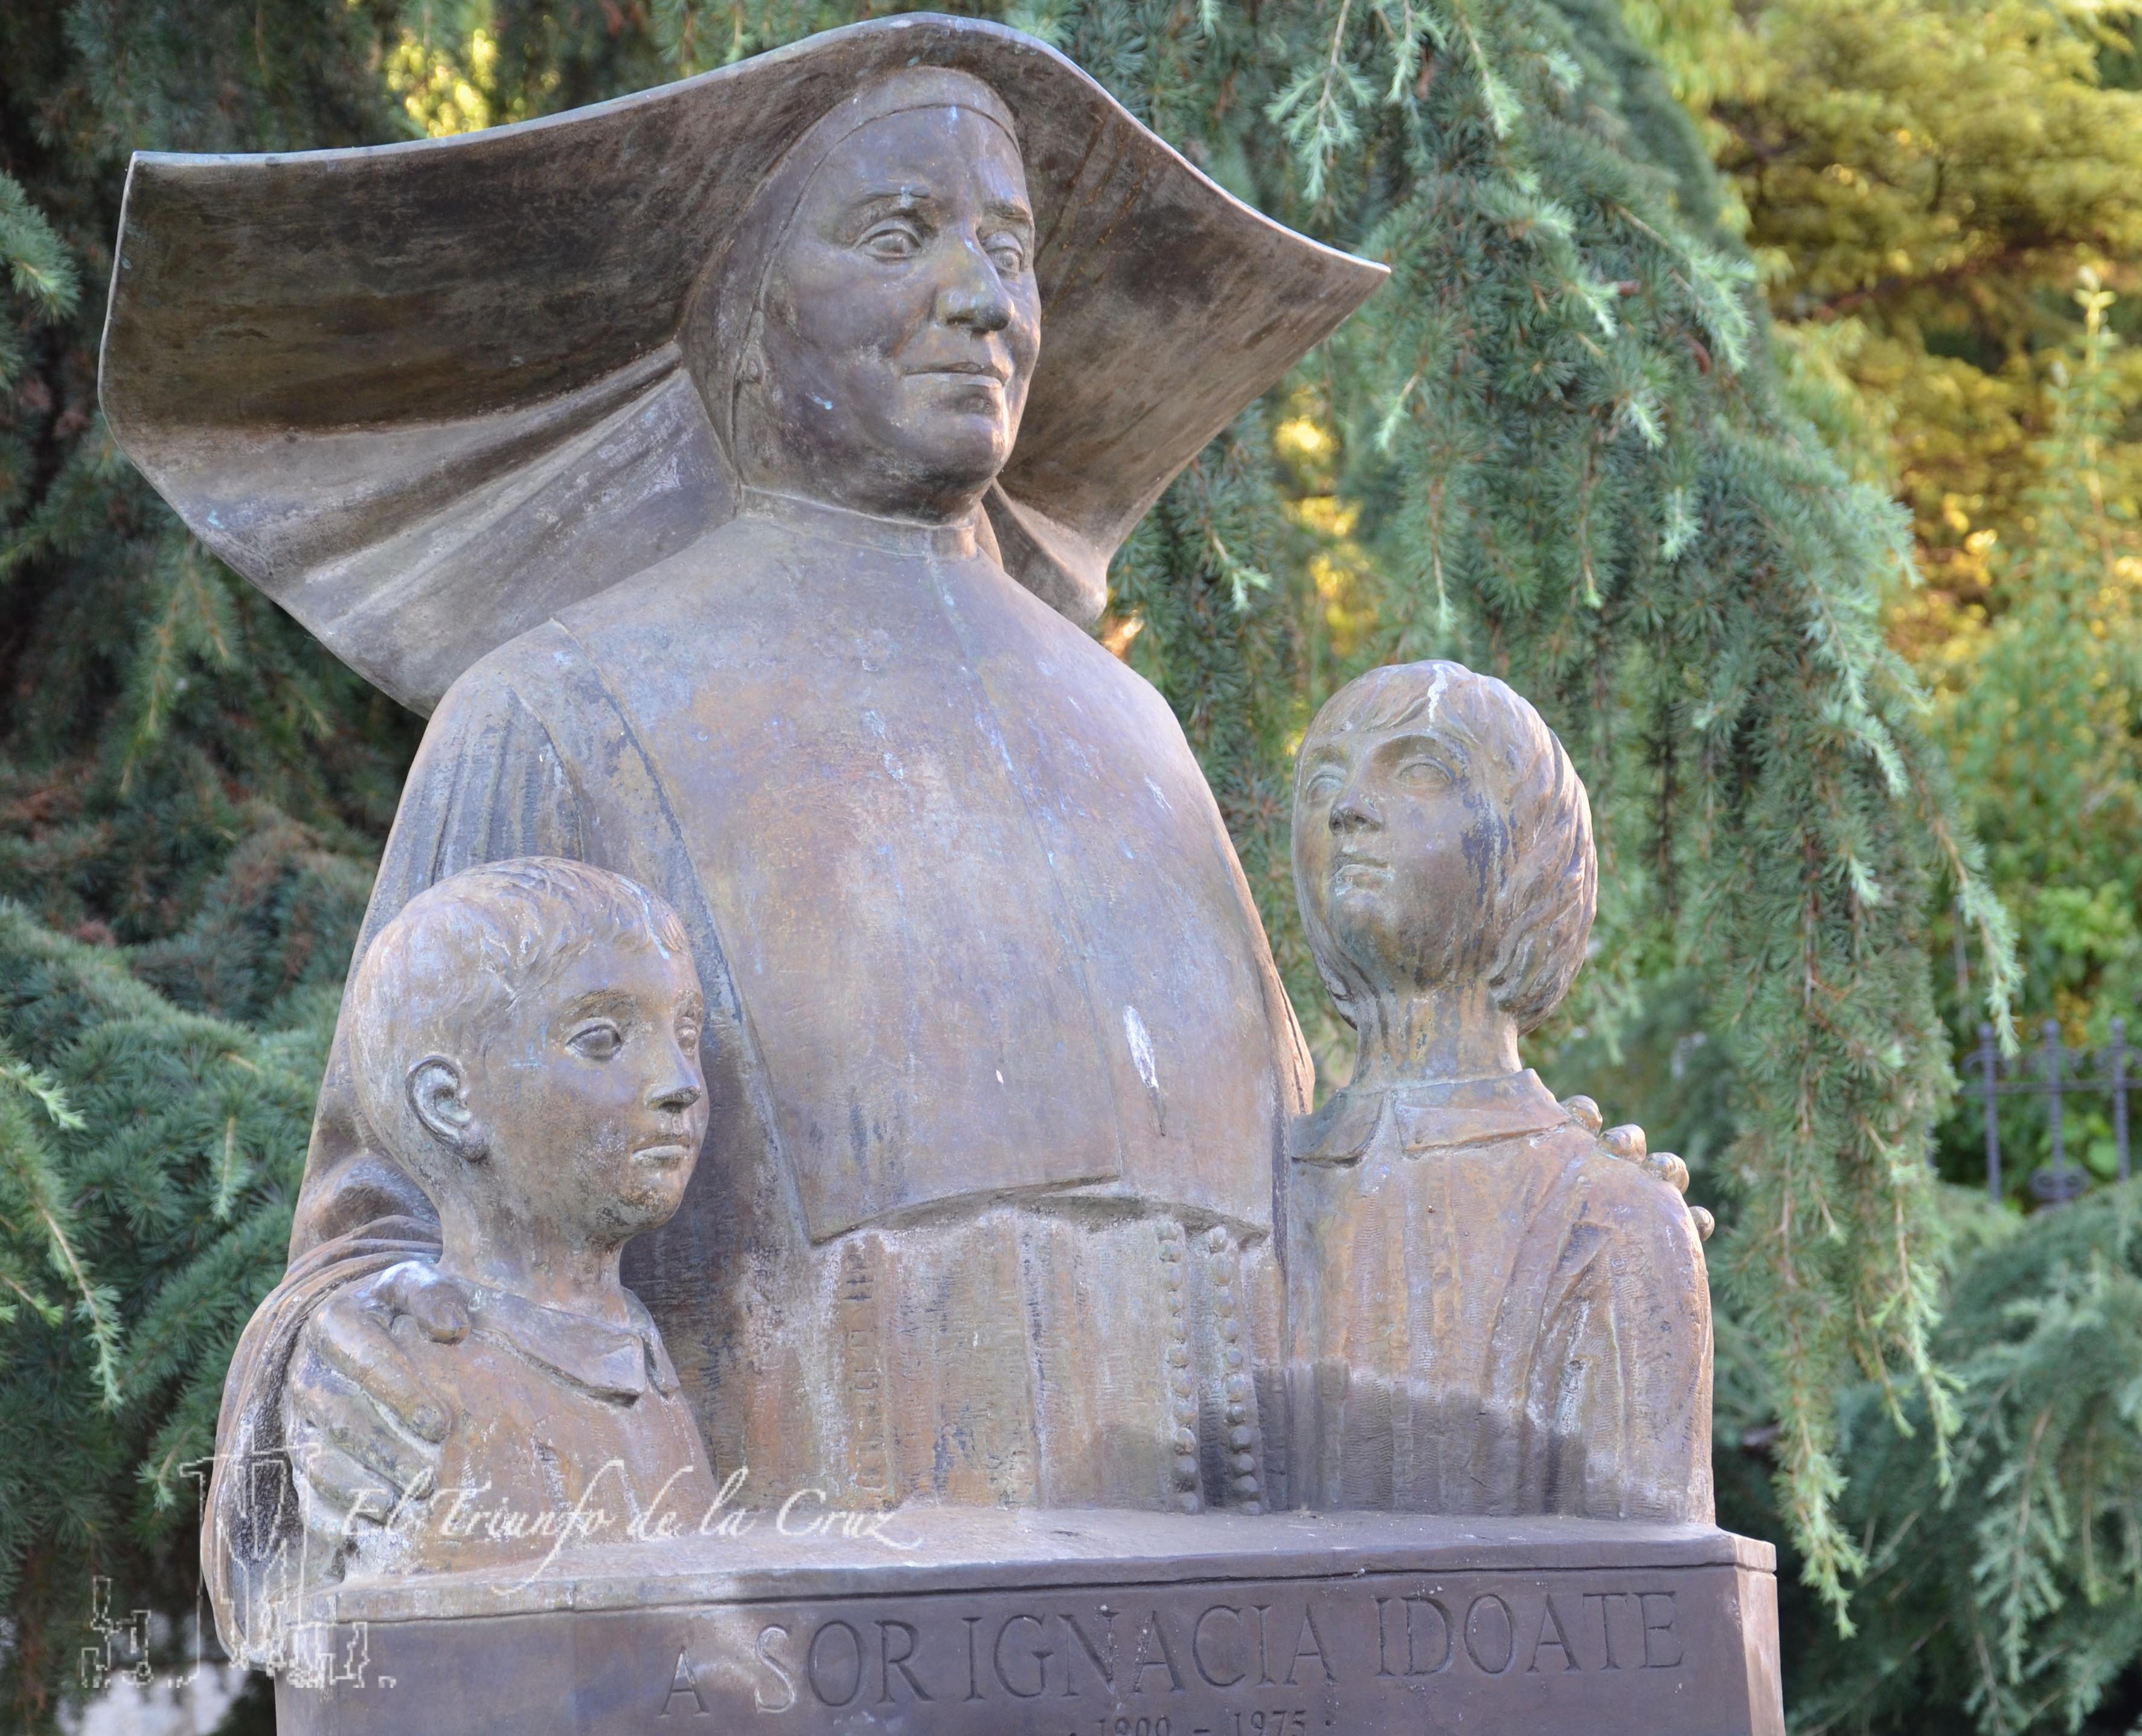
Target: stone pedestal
{"type": "Point", "coordinates": [1070, 1624]}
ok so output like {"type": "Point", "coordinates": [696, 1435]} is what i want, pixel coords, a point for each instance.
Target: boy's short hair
{"type": "Point", "coordinates": [434, 978]}
{"type": "Point", "coordinates": [1543, 869]}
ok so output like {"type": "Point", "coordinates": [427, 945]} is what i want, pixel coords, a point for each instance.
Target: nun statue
{"type": "Point", "coordinates": [732, 472]}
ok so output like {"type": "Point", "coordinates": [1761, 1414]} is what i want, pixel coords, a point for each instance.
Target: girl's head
{"type": "Point", "coordinates": [1440, 833]}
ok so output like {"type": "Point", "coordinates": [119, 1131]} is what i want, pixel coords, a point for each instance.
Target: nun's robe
{"type": "Point", "coordinates": [998, 1059]}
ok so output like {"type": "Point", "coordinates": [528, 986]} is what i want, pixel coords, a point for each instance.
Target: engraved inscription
{"type": "Point", "coordinates": [1263, 1660]}
{"type": "Point", "coordinates": [1389, 1652]}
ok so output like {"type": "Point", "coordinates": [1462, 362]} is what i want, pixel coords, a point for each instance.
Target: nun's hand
{"type": "Point", "coordinates": [1628, 1143]}
{"type": "Point", "coordinates": [364, 1427]}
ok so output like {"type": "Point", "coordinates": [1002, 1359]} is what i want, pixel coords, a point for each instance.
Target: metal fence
{"type": "Point", "coordinates": [2057, 1074]}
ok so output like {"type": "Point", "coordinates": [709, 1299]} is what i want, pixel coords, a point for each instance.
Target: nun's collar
{"type": "Point", "coordinates": [861, 529]}
{"type": "Point", "coordinates": [1424, 1116]}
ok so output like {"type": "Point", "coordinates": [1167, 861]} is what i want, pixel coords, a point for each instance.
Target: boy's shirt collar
{"type": "Point", "coordinates": [616, 1364]}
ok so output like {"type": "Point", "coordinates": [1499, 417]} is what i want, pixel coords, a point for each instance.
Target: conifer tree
{"type": "Point", "coordinates": [189, 788]}
{"type": "Point", "coordinates": [2003, 1589]}
{"type": "Point", "coordinates": [149, 1158]}
{"type": "Point", "coordinates": [2009, 1594]}
{"type": "Point", "coordinates": [2043, 709]}
{"type": "Point", "coordinates": [1922, 180]}
{"type": "Point", "coordinates": [145, 694]}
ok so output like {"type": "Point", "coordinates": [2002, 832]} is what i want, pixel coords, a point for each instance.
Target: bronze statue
{"type": "Point", "coordinates": [1492, 1311]}
{"type": "Point", "coordinates": [733, 473]}
{"type": "Point", "coordinates": [699, 504]}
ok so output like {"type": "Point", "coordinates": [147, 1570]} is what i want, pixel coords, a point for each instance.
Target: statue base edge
{"type": "Point", "coordinates": [1072, 1624]}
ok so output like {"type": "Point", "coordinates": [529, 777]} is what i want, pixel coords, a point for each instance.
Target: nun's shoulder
{"type": "Point", "coordinates": [497, 772]}
{"type": "Point", "coordinates": [1077, 649]}
{"type": "Point", "coordinates": [683, 592]}
{"type": "Point", "coordinates": [535, 686]}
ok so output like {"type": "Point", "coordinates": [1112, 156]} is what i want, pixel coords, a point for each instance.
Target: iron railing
{"type": "Point", "coordinates": [2056, 1074]}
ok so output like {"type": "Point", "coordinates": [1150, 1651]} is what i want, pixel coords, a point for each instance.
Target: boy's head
{"type": "Point", "coordinates": [526, 1038]}
{"type": "Point", "coordinates": [1440, 833]}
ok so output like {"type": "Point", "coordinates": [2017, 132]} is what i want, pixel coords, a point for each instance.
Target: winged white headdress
{"type": "Point", "coordinates": [426, 395]}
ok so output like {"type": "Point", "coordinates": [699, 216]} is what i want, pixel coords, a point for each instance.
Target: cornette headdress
{"type": "Point", "coordinates": [427, 395]}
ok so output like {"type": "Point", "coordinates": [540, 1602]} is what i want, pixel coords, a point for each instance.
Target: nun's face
{"type": "Point", "coordinates": [901, 320]}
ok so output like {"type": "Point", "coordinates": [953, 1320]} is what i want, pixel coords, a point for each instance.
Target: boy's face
{"type": "Point", "coordinates": [1390, 850]}
{"type": "Point", "coordinates": [591, 1090]}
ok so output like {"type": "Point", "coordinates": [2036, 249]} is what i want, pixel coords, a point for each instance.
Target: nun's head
{"type": "Point", "coordinates": [874, 329]}
{"type": "Point", "coordinates": [830, 242]}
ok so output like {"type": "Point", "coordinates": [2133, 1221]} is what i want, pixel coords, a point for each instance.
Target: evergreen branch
{"type": "Point", "coordinates": [227, 1172]}
{"type": "Point", "coordinates": [1316, 112]}
{"type": "Point", "coordinates": [41, 1088]}
{"type": "Point", "coordinates": [38, 1304]}
{"type": "Point", "coordinates": [27, 1164]}
{"type": "Point", "coordinates": [1504, 108]}
{"type": "Point", "coordinates": [193, 624]}
{"type": "Point", "coordinates": [74, 508]}
{"type": "Point", "coordinates": [36, 259]}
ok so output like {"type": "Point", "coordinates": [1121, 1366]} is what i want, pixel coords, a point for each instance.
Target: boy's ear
{"type": "Point", "coordinates": [436, 1095]}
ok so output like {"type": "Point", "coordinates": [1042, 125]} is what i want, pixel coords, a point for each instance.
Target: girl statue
{"type": "Point", "coordinates": [1494, 1311]}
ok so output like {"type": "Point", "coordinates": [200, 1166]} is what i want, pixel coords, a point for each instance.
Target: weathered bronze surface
{"type": "Point", "coordinates": [1080, 1624]}
{"type": "Point", "coordinates": [1491, 1310]}
{"type": "Point", "coordinates": [735, 468]}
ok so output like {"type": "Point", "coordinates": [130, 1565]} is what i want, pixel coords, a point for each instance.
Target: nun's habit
{"type": "Point", "coordinates": [998, 1061]}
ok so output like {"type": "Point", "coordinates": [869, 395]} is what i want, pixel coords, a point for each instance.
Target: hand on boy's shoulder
{"type": "Point", "coordinates": [420, 1291]}
{"type": "Point", "coordinates": [364, 1427]}
{"type": "Point", "coordinates": [1627, 1143]}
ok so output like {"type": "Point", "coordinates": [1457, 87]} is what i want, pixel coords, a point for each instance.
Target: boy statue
{"type": "Point", "coordinates": [525, 1037]}
{"type": "Point", "coordinates": [1493, 1311]}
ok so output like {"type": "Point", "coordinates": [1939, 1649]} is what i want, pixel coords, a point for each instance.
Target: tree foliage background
{"type": "Point", "coordinates": [1686, 297]}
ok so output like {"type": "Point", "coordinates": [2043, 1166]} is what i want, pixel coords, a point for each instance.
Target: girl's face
{"type": "Point", "coordinates": [1394, 851]}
